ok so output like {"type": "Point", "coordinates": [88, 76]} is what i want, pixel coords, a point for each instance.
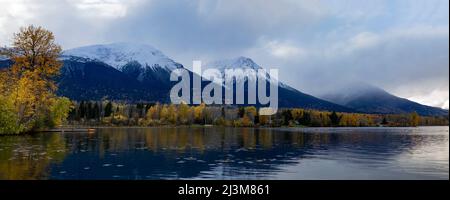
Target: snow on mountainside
{"type": "Point", "coordinates": [240, 63]}
{"type": "Point", "coordinates": [288, 97]}
{"type": "Point", "coordinates": [118, 55]}
{"type": "Point", "coordinates": [136, 73]}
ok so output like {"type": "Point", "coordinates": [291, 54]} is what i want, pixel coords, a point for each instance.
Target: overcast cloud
{"type": "Point", "coordinates": [401, 46]}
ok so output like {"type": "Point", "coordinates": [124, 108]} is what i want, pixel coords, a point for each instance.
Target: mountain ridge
{"type": "Point", "coordinates": [119, 54]}
{"type": "Point", "coordinates": [152, 76]}
{"type": "Point", "coordinates": [364, 97]}
{"type": "Point", "coordinates": [120, 71]}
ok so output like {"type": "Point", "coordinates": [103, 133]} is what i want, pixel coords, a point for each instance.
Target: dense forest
{"type": "Point", "coordinates": [154, 114]}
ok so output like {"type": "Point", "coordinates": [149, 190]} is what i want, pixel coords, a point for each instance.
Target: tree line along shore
{"type": "Point", "coordinates": [109, 113]}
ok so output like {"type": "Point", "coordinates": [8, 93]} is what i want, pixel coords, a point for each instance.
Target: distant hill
{"type": "Point", "coordinates": [370, 99]}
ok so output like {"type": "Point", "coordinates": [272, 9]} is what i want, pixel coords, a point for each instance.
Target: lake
{"type": "Point", "coordinates": [229, 153]}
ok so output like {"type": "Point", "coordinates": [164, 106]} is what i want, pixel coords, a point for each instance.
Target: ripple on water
{"type": "Point", "coordinates": [241, 149]}
{"type": "Point", "coordinates": [190, 158]}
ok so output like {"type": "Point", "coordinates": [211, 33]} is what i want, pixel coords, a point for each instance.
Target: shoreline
{"type": "Point", "coordinates": [255, 127]}
{"type": "Point", "coordinates": [92, 129]}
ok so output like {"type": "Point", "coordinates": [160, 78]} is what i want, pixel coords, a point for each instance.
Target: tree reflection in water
{"type": "Point", "coordinates": [29, 157]}
{"type": "Point", "coordinates": [210, 152]}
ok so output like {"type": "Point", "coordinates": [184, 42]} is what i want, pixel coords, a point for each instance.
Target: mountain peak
{"type": "Point", "coordinates": [233, 63]}
{"type": "Point", "coordinates": [119, 54]}
{"type": "Point", "coordinates": [364, 97]}
{"type": "Point", "coordinates": [362, 88]}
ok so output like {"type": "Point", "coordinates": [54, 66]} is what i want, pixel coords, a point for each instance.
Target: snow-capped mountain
{"type": "Point", "coordinates": [136, 72]}
{"type": "Point", "coordinates": [139, 61]}
{"type": "Point", "coordinates": [143, 74]}
{"type": "Point", "coordinates": [119, 55]}
{"type": "Point", "coordinates": [287, 96]}
{"type": "Point", "coordinates": [239, 62]}
{"type": "Point", "coordinates": [122, 71]}
{"type": "Point", "coordinates": [242, 63]}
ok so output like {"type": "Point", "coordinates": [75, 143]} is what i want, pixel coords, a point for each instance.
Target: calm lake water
{"type": "Point", "coordinates": [229, 153]}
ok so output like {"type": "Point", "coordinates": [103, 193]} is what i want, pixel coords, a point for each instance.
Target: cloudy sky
{"type": "Point", "coordinates": [399, 45]}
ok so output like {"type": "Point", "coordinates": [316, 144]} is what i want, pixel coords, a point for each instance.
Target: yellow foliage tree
{"type": "Point", "coordinates": [172, 114]}
{"type": "Point", "coordinates": [29, 83]}
{"type": "Point", "coordinates": [250, 112]}
{"type": "Point", "coordinates": [264, 119]}
{"type": "Point", "coordinates": [164, 113]}
{"type": "Point", "coordinates": [246, 121]}
{"type": "Point", "coordinates": [183, 113]}
{"type": "Point", "coordinates": [198, 113]}
{"type": "Point", "coordinates": [153, 112]}
{"type": "Point", "coordinates": [414, 119]}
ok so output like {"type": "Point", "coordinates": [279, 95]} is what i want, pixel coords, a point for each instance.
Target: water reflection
{"type": "Point", "coordinates": [228, 153]}
{"type": "Point", "coordinates": [28, 157]}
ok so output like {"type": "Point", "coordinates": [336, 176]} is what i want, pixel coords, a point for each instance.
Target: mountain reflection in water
{"type": "Point", "coordinates": [229, 153]}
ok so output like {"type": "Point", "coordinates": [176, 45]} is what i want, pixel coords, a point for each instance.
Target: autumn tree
{"type": "Point", "coordinates": [246, 121]}
{"type": "Point", "coordinates": [198, 113]}
{"type": "Point", "coordinates": [28, 84]}
{"type": "Point", "coordinates": [164, 113]}
{"type": "Point", "coordinates": [183, 113]}
{"type": "Point", "coordinates": [297, 114]}
{"type": "Point", "coordinates": [8, 117]}
{"type": "Point", "coordinates": [251, 112]}
{"type": "Point", "coordinates": [172, 114]}
{"type": "Point", "coordinates": [153, 112]}
{"type": "Point", "coordinates": [414, 119]}
{"type": "Point", "coordinates": [60, 108]}
{"type": "Point", "coordinates": [264, 119]}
